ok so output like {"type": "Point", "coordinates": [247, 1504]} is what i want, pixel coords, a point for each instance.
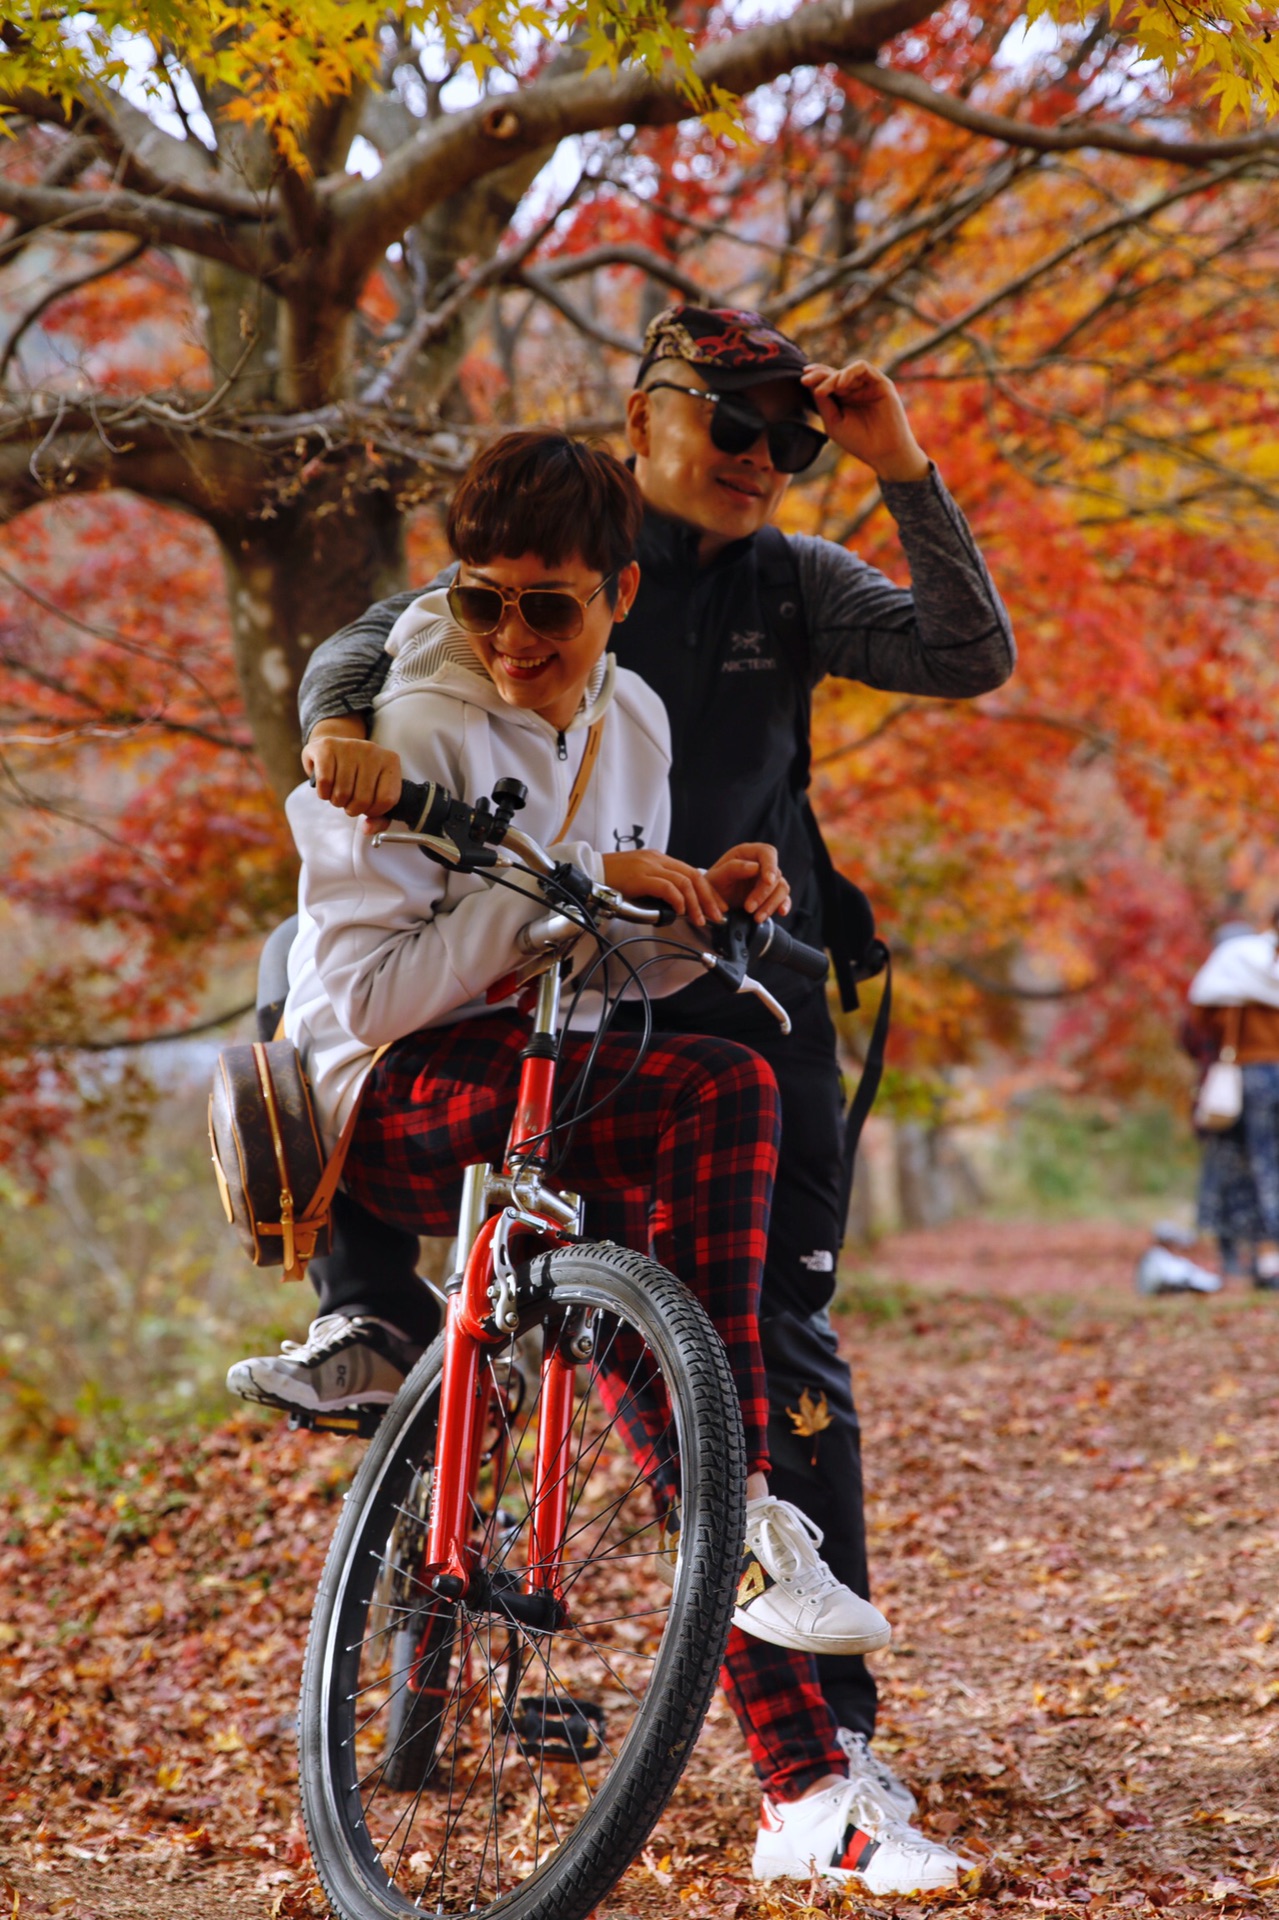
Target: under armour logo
{"type": "Point", "coordinates": [635, 838]}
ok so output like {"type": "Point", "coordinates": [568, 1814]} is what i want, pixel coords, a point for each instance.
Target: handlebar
{"type": "Point", "coordinates": [472, 838]}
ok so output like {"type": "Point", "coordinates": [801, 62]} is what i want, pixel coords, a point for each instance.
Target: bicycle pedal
{"type": "Point", "coordinates": [559, 1728]}
{"type": "Point", "coordinates": [359, 1423]}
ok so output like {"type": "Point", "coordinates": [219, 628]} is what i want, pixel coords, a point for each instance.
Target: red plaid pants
{"type": "Point", "coordinates": [696, 1129]}
{"type": "Point", "coordinates": [689, 1153]}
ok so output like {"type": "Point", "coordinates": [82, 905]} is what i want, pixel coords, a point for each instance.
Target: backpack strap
{"type": "Point", "coordinates": [848, 921]}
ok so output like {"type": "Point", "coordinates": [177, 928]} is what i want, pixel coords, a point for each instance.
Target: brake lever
{"type": "Point", "coordinates": [439, 847]}
{"type": "Point", "coordinates": [736, 978]}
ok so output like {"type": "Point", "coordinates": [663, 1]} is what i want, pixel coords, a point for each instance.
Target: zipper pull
{"type": "Point", "coordinates": [561, 747]}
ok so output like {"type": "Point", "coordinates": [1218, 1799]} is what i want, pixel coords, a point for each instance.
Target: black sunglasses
{"type": "Point", "coordinates": [550, 613]}
{"type": "Point", "coordinates": [736, 425]}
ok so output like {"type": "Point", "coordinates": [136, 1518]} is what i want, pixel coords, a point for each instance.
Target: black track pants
{"type": "Point", "coordinates": [820, 1473]}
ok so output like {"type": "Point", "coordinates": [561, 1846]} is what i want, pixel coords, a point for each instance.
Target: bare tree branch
{"type": "Point", "coordinates": [247, 244]}
{"type": "Point", "coordinates": [877, 732]}
{"type": "Point", "coordinates": [181, 172]}
{"type": "Point", "coordinates": [539, 283]}
{"type": "Point", "coordinates": [60, 292]}
{"type": "Point", "coordinates": [69, 449]}
{"type": "Point", "coordinates": [142, 1039]}
{"type": "Point", "coordinates": [1091, 237]}
{"type": "Point", "coordinates": [567, 266]}
{"type": "Point", "coordinates": [447, 154]}
{"type": "Point", "coordinates": [1067, 138]}
{"type": "Point", "coordinates": [433, 324]}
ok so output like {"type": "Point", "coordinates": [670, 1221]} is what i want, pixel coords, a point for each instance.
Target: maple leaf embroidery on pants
{"type": "Point", "coordinates": [813, 1418]}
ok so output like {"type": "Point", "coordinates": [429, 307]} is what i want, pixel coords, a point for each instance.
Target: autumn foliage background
{"type": "Point", "coordinates": [1066, 256]}
{"type": "Point", "coordinates": [1085, 341]}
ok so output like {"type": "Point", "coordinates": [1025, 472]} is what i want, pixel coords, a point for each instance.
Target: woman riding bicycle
{"type": "Point", "coordinates": [506, 674]}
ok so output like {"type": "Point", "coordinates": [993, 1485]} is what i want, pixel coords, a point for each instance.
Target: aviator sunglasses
{"type": "Point", "coordinates": [549, 612]}
{"type": "Point", "coordinates": [736, 425]}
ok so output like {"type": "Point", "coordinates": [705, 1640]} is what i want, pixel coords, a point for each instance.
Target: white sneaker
{"type": "Point", "coordinates": [787, 1594]}
{"type": "Point", "coordinates": [842, 1835]}
{"type": "Point", "coordinates": [341, 1363]}
{"type": "Point", "coordinates": [876, 1778]}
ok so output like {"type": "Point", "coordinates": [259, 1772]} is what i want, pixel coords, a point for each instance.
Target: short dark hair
{"type": "Point", "coordinates": [539, 491]}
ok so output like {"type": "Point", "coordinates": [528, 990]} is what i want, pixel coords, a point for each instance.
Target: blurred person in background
{"type": "Point", "coordinates": [1234, 1003]}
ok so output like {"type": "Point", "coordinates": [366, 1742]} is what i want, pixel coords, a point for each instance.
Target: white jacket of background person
{"type": "Point", "coordinates": [1240, 972]}
{"type": "Point", "coordinates": [388, 941]}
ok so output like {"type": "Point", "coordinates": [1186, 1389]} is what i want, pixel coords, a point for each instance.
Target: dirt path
{"type": "Point", "coordinates": [1075, 1531]}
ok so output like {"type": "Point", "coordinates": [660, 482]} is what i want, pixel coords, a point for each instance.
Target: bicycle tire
{"type": "Point", "coordinates": [490, 1812]}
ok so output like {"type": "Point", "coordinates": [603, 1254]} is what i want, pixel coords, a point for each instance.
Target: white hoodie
{"type": "Point", "coordinates": [389, 941]}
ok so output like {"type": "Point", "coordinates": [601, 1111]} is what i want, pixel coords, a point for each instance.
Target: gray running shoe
{"type": "Point", "coordinates": [876, 1778]}
{"type": "Point", "coordinates": [341, 1363]}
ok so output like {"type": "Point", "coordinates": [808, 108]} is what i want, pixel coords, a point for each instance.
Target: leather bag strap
{"type": "Point", "coordinates": [590, 755]}
{"type": "Point", "coordinates": [271, 1105]}
{"type": "Point", "coordinates": [1230, 1036]}
{"type": "Point", "coordinates": [322, 1198]}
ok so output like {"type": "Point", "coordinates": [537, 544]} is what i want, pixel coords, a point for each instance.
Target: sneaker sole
{"type": "Point", "coordinates": [306, 1400]}
{"type": "Point", "coordinates": [841, 1876]}
{"type": "Point", "coordinates": [809, 1643]}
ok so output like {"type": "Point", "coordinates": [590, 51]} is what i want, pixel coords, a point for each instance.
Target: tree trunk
{"type": "Point", "coordinates": [292, 581]}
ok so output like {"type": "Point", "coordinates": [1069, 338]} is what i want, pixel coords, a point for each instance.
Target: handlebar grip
{"type": "Point", "coordinates": [422, 806]}
{"type": "Point", "coordinates": [666, 913]}
{"type": "Point", "coordinates": [790, 952]}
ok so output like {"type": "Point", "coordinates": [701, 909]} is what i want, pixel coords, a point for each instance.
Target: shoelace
{"type": "Point", "coordinates": [910, 1839]}
{"type": "Point", "coordinates": [786, 1545]}
{"type": "Point", "coordinates": [871, 1818]}
{"type": "Point", "coordinates": [859, 1753]}
{"type": "Point", "coordinates": [321, 1334]}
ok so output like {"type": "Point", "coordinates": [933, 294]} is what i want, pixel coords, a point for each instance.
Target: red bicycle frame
{"type": "Point", "coordinates": [482, 1313]}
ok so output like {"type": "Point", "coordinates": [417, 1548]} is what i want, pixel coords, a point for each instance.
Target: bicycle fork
{"type": "Point", "coordinates": [484, 1306]}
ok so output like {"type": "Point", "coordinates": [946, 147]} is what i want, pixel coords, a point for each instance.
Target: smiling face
{"type": "Point", "coordinates": [546, 677]}
{"type": "Point", "coordinates": [726, 496]}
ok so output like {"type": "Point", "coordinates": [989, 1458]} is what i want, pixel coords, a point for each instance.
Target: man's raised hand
{"type": "Point", "coordinates": [862, 413]}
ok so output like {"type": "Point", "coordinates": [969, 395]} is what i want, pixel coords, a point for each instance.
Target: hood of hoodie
{"type": "Point", "coordinates": [427, 646]}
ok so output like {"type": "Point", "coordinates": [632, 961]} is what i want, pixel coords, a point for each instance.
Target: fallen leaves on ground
{"type": "Point", "coordinates": [1073, 1527]}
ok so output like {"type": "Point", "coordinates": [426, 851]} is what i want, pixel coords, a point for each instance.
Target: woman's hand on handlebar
{"type": "Point", "coordinates": [351, 772]}
{"type": "Point", "coordinates": [748, 876]}
{"type": "Point", "coordinates": [648, 875]}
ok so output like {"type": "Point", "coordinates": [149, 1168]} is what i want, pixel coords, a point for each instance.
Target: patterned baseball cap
{"type": "Point", "coordinates": [730, 345]}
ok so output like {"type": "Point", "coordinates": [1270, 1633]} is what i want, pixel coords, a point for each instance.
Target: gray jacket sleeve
{"type": "Point", "coordinates": [947, 634]}
{"type": "Point", "coordinates": [345, 673]}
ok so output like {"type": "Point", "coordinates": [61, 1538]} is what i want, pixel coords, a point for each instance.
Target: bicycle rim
{"type": "Point", "coordinates": [456, 1760]}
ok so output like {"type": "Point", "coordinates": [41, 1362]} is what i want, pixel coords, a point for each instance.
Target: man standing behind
{"type": "Point", "coordinates": [732, 625]}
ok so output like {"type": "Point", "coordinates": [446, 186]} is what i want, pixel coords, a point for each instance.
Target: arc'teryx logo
{"type": "Point", "coordinates": [635, 838]}
{"type": "Point", "coordinates": [746, 655]}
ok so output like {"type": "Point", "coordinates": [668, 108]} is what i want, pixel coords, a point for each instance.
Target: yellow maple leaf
{"type": "Point", "coordinates": [814, 1417]}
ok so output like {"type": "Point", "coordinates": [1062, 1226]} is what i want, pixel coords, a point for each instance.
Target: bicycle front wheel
{"type": "Point", "coordinates": [456, 1758]}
